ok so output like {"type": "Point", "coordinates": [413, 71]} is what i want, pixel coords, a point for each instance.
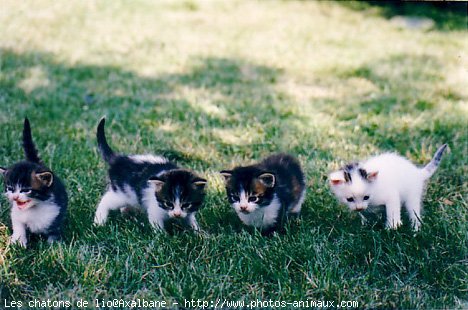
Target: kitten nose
{"type": "Point", "coordinates": [15, 197]}
{"type": "Point", "coordinates": [243, 207]}
{"type": "Point", "coordinates": [177, 214]}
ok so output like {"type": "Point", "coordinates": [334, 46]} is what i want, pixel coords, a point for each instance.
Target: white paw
{"type": "Point", "coordinates": [158, 226]}
{"type": "Point", "coordinates": [19, 239]}
{"type": "Point", "coordinates": [393, 224]}
{"type": "Point", "coordinates": [99, 220]}
{"type": "Point", "coordinates": [416, 225]}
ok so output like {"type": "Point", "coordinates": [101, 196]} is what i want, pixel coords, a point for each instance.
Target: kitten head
{"type": "Point", "coordinates": [352, 186]}
{"type": "Point", "coordinates": [27, 184]}
{"type": "Point", "coordinates": [249, 188]}
{"type": "Point", "coordinates": [179, 192]}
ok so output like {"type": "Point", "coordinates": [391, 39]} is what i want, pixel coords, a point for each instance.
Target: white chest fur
{"type": "Point", "coordinates": [37, 218]}
{"type": "Point", "coordinates": [262, 217]}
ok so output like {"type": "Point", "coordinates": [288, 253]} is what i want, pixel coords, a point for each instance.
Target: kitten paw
{"type": "Point", "coordinates": [53, 238]}
{"type": "Point", "coordinates": [19, 240]}
{"type": "Point", "coordinates": [416, 225]}
{"type": "Point", "coordinates": [158, 227]}
{"type": "Point", "coordinates": [393, 225]}
{"type": "Point", "coordinates": [99, 220]}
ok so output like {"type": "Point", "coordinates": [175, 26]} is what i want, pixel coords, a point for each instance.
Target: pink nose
{"type": "Point", "coordinates": [177, 214]}
{"type": "Point", "coordinates": [15, 197]}
{"type": "Point", "coordinates": [243, 207]}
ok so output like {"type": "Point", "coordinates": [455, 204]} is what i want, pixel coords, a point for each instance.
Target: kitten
{"type": "Point", "coordinates": [265, 194]}
{"type": "Point", "coordinates": [38, 198]}
{"type": "Point", "coordinates": [386, 179]}
{"type": "Point", "coordinates": [163, 190]}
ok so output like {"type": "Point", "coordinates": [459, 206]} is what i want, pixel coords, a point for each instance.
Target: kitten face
{"type": "Point", "coordinates": [249, 188]}
{"type": "Point", "coordinates": [26, 185]}
{"type": "Point", "coordinates": [352, 186]}
{"type": "Point", "coordinates": [179, 192]}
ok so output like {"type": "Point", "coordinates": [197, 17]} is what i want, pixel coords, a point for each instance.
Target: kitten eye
{"type": "Point", "coordinates": [186, 206]}
{"type": "Point", "coordinates": [9, 188]}
{"type": "Point", "coordinates": [350, 199]}
{"type": "Point", "coordinates": [253, 199]}
{"type": "Point", "coordinates": [234, 197]}
{"type": "Point", "coordinates": [167, 205]}
{"type": "Point", "coordinates": [25, 190]}
{"type": "Point", "coordinates": [366, 197]}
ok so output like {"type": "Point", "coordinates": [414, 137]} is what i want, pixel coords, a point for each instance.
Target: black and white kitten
{"type": "Point", "coordinates": [163, 190]}
{"type": "Point", "coordinates": [38, 198]}
{"type": "Point", "coordinates": [264, 195]}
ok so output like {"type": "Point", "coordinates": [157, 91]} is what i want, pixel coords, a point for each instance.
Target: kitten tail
{"type": "Point", "coordinates": [107, 153]}
{"type": "Point", "coordinates": [30, 151]}
{"type": "Point", "coordinates": [432, 166]}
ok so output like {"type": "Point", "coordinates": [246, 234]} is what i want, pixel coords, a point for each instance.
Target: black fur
{"type": "Point", "coordinates": [289, 184]}
{"type": "Point", "coordinates": [30, 150]}
{"type": "Point", "coordinates": [125, 171]}
{"type": "Point", "coordinates": [20, 174]}
{"type": "Point", "coordinates": [349, 168]}
{"type": "Point", "coordinates": [179, 182]}
{"type": "Point", "coordinates": [107, 154]}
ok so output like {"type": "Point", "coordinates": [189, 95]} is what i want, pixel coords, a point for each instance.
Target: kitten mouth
{"type": "Point", "coordinates": [245, 211]}
{"type": "Point", "coordinates": [22, 204]}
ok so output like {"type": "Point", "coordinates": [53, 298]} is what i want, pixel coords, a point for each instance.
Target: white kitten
{"type": "Point", "coordinates": [386, 179]}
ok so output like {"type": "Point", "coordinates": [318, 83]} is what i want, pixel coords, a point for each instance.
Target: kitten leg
{"type": "Point", "coordinates": [192, 221]}
{"type": "Point", "coordinates": [53, 238]}
{"type": "Point", "coordinates": [393, 211]}
{"type": "Point", "coordinates": [19, 234]}
{"type": "Point", "coordinates": [413, 205]}
{"type": "Point", "coordinates": [296, 209]}
{"type": "Point", "coordinates": [110, 201]}
{"type": "Point", "coordinates": [156, 216]}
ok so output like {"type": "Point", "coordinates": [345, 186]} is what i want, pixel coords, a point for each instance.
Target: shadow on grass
{"type": "Point", "coordinates": [218, 108]}
{"type": "Point", "coordinates": [447, 15]}
{"type": "Point", "coordinates": [50, 91]}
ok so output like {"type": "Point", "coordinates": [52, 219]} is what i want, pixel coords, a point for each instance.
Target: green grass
{"type": "Point", "coordinates": [216, 84]}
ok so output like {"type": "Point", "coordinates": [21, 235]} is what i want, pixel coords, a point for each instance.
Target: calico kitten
{"type": "Point", "coordinates": [386, 179]}
{"type": "Point", "coordinates": [38, 198]}
{"type": "Point", "coordinates": [265, 194]}
{"type": "Point", "coordinates": [163, 190]}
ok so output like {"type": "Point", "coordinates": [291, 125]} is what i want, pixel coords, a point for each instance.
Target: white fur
{"type": "Point", "coordinates": [156, 215]}
{"type": "Point", "coordinates": [260, 217]}
{"type": "Point", "coordinates": [37, 219]}
{"type": "Point", "coordinates": [398, 182]}
{"type": "Point", "coordinates": [113, 200]}
{"type": "Point", "coordinates": [152, 159]}
{"type": "Point", "coordinates": [296, 209]}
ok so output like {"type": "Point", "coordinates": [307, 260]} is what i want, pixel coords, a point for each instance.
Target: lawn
{"type": "Point", "coordinates": [213, 84]}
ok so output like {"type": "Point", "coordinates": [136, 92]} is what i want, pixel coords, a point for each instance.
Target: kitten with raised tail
{"type": "Point", "coordinates": [37, 196]}
{"type": "Point", "coordinates": [387, 179]}
{"type": "Point", "coordinates": [265, 194]}
{"type": "Point", "coordinates": [166, 192]}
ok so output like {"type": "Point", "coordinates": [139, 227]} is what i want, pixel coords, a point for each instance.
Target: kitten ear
{"type": "Point", "coordinates": [3, 170]}
{"type": "Point", "coordinates": [372, 176]}
{"type": "Point", "coordinates": [267, 179]}
{"type": "Point", "coordinates": [158, 183]}
{"type": "Point", "coordinates": [46, 178]}
{"type": "Point", "coordinates": [199, 183]}
{"type": "Point", "coordinates": [227, 174]}
{"type": "Point", "coordinates": [336, 178]}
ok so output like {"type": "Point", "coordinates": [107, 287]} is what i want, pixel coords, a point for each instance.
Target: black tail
{"type": "Point", "coordinates": [30, 150]}
{"type": "Point", "coordinates": [104, 147]}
